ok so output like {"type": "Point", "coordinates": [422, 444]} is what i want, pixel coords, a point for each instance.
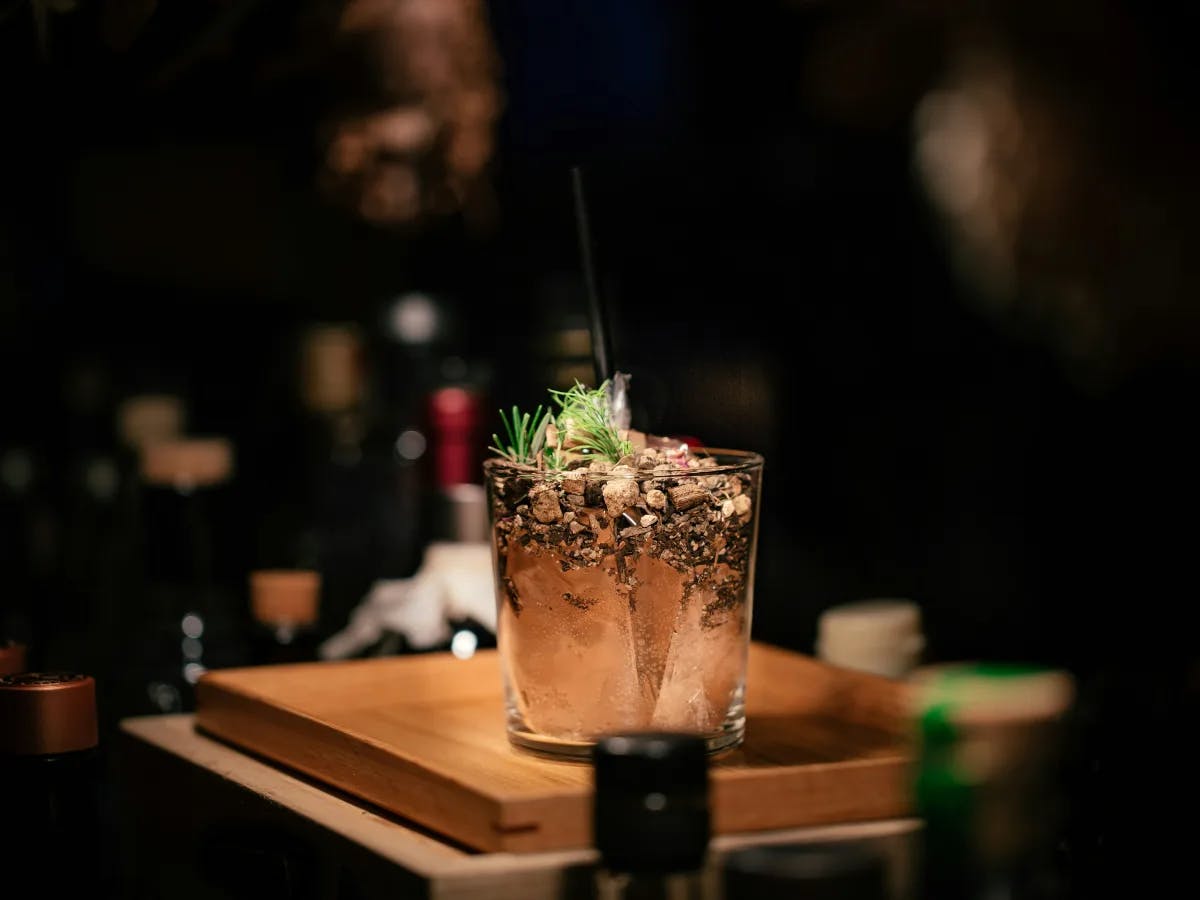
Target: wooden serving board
{"type": "Point", "coordinates": [423, 737]}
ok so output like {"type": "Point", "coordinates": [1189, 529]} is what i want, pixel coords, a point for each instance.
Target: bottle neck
{"type": "Point", "coordinates": [178, 536]}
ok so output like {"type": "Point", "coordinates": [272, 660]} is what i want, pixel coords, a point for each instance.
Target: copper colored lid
{"type": "Point", "coordinates": [285, 596]}
{"type": "Point", "coordinates": [145, 418]}
{"type": "Point", "coordinates": [187, 462]}
{"type": "Point", "coordinates": [47, 712]}
{"type": "Point", "coordinates": [12, 657]}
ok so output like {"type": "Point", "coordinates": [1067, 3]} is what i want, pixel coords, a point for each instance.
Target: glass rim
{"type": "Point", "coordinates": [734, 461]}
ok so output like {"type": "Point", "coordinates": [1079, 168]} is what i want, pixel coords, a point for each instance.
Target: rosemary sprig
{"type": "Point", "coordinates": [584, 423]}
{"type": "Point", "coordinates": [526, 435]}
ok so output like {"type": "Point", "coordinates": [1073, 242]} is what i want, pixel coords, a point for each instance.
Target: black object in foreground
{"type": "Point", "coordinates": [651, 815]}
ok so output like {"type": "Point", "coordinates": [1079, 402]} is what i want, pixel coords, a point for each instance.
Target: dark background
{"type": "Point", "coordinates": [777, 279]}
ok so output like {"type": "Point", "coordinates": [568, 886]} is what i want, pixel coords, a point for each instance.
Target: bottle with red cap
{"type": "Point", "coordinates": [458, 509]}
{"type": "Point", "coordinates": [428, 438]}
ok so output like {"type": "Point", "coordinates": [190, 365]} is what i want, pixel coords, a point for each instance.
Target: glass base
{"type": "Point", "coordinates": [728, 738]}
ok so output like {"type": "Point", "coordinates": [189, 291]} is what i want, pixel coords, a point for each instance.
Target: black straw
{"type": "Point", "coordinates": [601, 348]}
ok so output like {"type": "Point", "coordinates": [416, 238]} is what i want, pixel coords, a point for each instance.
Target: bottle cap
{"type": "Point", "coordinates": [834, 870]}
{"type": "Point", "coordinates": [285, 596]}
{"type": "Point", "coordinates": [882, 636]}
{"type": "Point", "coordinates": [331, 368]}
{"type": "Point", "coordinates": [146, 418]}
{"type": "Point", "coordinates": [44, 713]}
{"type": "Point", "coordinates": [187, 462]}
{"type": "Point", "coordinates": [454, 416]}
{"type": "Point", "coordinates": [972, 696]}
{"type": "Point", "coordinates": [12, 657]}
{"type": "Point", "coordinates": [651, 810]}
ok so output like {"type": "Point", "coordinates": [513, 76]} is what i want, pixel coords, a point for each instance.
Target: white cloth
{"type": "Point", "coordinates": [453, 582]}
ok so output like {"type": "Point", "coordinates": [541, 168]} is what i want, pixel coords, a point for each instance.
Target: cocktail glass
{"type": "Point", "coordinates": [624, 596]}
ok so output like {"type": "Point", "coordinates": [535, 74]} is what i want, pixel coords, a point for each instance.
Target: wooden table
{"type": "Point", "coordinates": [423, 737]}
{"type": "Point", "coordinates": [205, 821]}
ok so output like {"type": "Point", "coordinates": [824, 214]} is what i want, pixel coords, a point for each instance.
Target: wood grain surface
{"type": "Point", "coordinates": [423, 737]}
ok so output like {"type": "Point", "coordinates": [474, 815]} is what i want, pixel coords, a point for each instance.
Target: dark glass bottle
{"type": "Point", "coordinates": [413, 329]}
{"type": "Point", "coordinates": [835, 870]}
{"type": "Point", "coordinates": [53, 834]}
{"type": "Point", "coordinates": [457, 443]}
{"type": "Point", "coordinates": [186, 618]}
{"type": "Point", "coordinates": [986, 789]}
{"type": "Point", "coordinates": [323, 523]}
{"type": "Point", "coordinates": [460, 537]}
{"type": "Point", "coordinates": [651, 821]}
{"type": "Point", "coordinates": [140, 420]}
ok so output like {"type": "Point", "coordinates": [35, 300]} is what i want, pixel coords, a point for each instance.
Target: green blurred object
{"type": "Point", "coordinates": [988, 737]}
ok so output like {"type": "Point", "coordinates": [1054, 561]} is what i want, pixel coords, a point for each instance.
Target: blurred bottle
{"type": "Point", "coordinates": [651, 821]}
{"type": "Point", "coordinates": [990, 738]}
{"type": "Point", "coordinates": [427, 510]}
{"type": "Point", "coordinates": [53, 834]}
{"type": "Point", "coordinates": [836, 870]}
{"type": "Point", "coordinates": [459, 506]}
{"type": "Point", "coordinates": [284, 606]}
{"type": "Point", "coordinates": [455, 563]}
{"type": "Point", "coordinates": [139, 420]}
{"type": "Point", "coordinates": [416, 331]}
{"type": "Point", "coordinates": [323, 524]}
{"type": "Point", "coordinates": [186, 619]}
{"type": "Point", "coordinates": [460, 536]}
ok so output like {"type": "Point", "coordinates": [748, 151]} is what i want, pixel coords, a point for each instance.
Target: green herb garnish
{"type": "Point", "coordinates": [584, 423]}
{"type": "Point", "coordinates": [526, 435]}
{"type": "Point", "coordinates": [583, 428]}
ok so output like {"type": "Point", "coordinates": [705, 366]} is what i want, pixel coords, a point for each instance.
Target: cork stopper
{"type": "Point", "coordinates": [186, 463]}
{"type": "Point", "coordinates": [12, 657]}
{"type": "Point", "coordinates": [287, 597]}
{"type": "Point", "coordinates": [148, 418]}
{"type": "Point", "coordinates": [331, 368]}
{"type": "Point", "coordinates": [44, 713]}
